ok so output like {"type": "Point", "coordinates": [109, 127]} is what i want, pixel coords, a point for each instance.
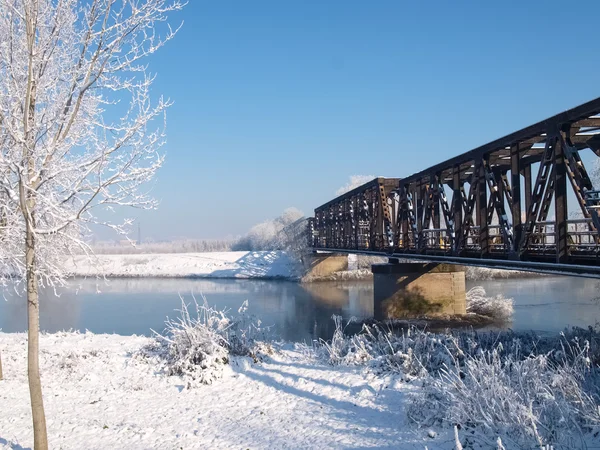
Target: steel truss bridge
{"type": "Point", "coordinates": [502, 205]}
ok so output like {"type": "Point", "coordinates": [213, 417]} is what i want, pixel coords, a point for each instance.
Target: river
{"type": "Point", "coordinates": [296, 312]}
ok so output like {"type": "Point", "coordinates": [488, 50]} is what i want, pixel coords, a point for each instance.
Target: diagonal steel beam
{"type": "Point", "coordinates": [538, 193]}
{"type": "Point", "coordinates": [580, 181]}
{"type": "Point", "coordinates": [498, 205]}
{"type": "Point", "coordinates": [469, 201]}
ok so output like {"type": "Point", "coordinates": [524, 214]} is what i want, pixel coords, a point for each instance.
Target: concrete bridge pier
{"type": "Point", "coordinates": [322, 266]}
{"type": "Point", "coordinates": [405, 290]}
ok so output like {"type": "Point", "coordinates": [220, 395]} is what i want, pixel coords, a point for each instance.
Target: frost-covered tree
{"type": "Point", "coordinates": [78, 134]}
{"type": "Point", "coordinates": [354, 182]}
{"type": "Point", "coordinates": [269, 235]}
{"type": "Point", "coordinates": [289, 216]}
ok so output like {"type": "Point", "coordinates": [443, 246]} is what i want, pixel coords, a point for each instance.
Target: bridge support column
{"type": "Point", "coordinates": [323, 266]}
{"type": "Point", "coordinates": [408, 290]}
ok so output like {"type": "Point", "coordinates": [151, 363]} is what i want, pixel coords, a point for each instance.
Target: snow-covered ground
{"type": "Point", "coordinates": [273, 264]}
{"type": "Point", "coordinates": [98, 396]}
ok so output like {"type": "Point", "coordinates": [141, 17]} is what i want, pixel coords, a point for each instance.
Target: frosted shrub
{"type": "Point", "coordinates": [247, 336]}
{"type": "Point", "coordinates": [498, 307]}
{"type": "Point", "coordinates": [198, 346]}
{"type": "Point", "coordinates": [411, 353]}
{"type": "Point", "coordinates": [341, 349]}
{"type": "Point", "coordinates": [528, 390]}
{"type": "Point", "coordinates": [531, 401]}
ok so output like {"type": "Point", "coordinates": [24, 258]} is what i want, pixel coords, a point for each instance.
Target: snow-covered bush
{"type": "Point", "coordinates": [246, 335]}
{"type": "Point", "coordinates": [528, 400]}
{"type": "Point", "coordinates": [499, 308]}
{"type": "Point", "coordinates": [339, 349]}
{"type": "Point", "coordinates": [377, 343]}
{"type": "Point", "coordinates": [197, 346]}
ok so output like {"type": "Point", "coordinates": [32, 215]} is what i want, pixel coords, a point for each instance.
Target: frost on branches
{"type": "Point", "coordinates": [78, 130]}
{"type": "Point", "coordinates": [78, 134]}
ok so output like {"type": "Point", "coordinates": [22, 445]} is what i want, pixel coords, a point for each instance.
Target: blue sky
{"type": "Point", "coordinates": [277, 103]}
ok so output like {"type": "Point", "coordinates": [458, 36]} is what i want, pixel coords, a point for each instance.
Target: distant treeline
{"type": "Point", "coordinates": [275, 234]}
{"type": "Point", "coordinates": [178, 246]}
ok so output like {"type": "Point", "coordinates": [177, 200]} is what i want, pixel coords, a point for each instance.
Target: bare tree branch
{"type": "Point", "coordinates": [78, 133]}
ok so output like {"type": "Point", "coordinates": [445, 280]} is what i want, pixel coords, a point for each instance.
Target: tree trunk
{"type": "Point", "coordinates": [40, 437]}
{"type": "Point", "coordinates": [28, 203]}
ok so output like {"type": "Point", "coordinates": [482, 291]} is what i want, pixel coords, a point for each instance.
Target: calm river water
{"type": "Point", "coordinates": [296, 312]}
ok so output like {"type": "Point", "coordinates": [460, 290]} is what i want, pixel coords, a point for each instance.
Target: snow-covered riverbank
{"type": "Point", "coordinates": [98, 396]}
{"type": "Point", "coordinates": [245, 265]}
{"type": "Point", "coordinates": [264, 265]}
{"type": "Point", "coordinates": [377, 389]}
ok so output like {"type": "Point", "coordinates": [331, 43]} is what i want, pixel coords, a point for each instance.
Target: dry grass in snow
{"type": "Point", "coordinates": [526, 390]}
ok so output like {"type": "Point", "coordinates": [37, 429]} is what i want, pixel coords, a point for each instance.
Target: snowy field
{"type": "Point", "coordinates": [255, 264]}
{"type": "Point", "coordinates": [264, 264]}
{"type": "Point", "coordinates": [97, 396]}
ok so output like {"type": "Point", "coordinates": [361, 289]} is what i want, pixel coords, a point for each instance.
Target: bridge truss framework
{"type": "Point", "coordinates": [503, 204]}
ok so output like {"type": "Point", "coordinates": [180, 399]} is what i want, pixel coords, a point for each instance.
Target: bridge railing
{"type": "Point", "coordinates": [582, 240]}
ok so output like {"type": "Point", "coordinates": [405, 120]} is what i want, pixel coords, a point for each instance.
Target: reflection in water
{"type": "Point", "coordinates": [135, 306]}
{"type": "Point", "coordinates": [549, 303]}
{"type": "Point", "coordinates": [296, 312]}
{"type": "Point", "coordinates": [58, 313]}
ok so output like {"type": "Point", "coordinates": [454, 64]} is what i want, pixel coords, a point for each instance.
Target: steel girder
{"type": "Point", "coordinates": [508, 201]}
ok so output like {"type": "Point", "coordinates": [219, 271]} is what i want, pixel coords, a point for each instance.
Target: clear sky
{"type": "Point", "coordinates": [277, 103]}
